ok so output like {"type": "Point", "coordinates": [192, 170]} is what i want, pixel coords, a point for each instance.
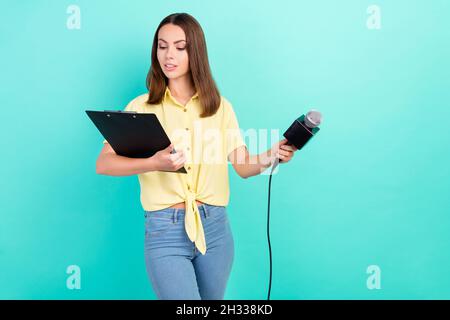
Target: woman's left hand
{"type": "Point", "coordinates": [283, 151]}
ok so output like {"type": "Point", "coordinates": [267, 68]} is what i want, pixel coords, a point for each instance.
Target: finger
{"type": "Point", "coordinates": [181, 164]}
{"type": "Point", "coordinates": [181, 157]}
{"type": "Point", "coordinates": [177, 155]}
{"type": "Point", "coordinates": [286, 147]}
{"type": "Point", "coordinates": [285, 153]}
{"type": "Point", "coordinates": [180, 161]}
{"type": "Point", "coordinates": [173, 157]}
{"type": "Point", "coordinates": [280, 156]}
{"type": "Point", "coordinates": [282, 142]}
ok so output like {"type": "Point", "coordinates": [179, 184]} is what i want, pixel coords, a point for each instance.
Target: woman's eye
{"type": "Point", "coordinates": [180, 49]}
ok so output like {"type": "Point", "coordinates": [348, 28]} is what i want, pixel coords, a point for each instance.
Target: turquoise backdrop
{"type": "Point", "coordinates": [372, 189]}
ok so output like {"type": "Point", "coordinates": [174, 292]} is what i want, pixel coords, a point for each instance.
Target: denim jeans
{"type": "Point", "coordinates": [175, 267]}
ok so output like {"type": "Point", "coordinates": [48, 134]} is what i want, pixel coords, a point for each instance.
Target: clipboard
{"type": "Point", "coordinates": [132, 134]}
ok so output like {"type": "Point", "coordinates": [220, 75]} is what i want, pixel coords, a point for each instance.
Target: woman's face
{"type": "Point", "coordinates": [172, 53]}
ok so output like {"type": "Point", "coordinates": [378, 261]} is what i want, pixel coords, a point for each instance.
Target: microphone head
{"type": "Point", "coordinates": [313, 118]}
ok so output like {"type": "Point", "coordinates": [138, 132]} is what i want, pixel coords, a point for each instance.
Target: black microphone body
{"type": "Point", "coordinates": [299, 133]}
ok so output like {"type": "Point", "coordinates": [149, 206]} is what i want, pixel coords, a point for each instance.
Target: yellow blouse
{"type": "Point", "coordinates": [207, 142]}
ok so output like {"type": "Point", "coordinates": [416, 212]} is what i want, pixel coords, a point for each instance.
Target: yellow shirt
{"type": "Point", "coordinates": [207, 142]}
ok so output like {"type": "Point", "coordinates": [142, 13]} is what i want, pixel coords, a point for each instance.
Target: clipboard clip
{"type": "Point", "coordinates": [120, 111]}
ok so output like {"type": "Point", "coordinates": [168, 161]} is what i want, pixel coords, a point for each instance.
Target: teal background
{"type": "Point", "coordinates": [371, 189]}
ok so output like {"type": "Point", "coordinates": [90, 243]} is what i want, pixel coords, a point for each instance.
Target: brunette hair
{"type": "Point", "coordinates": [200, 70]}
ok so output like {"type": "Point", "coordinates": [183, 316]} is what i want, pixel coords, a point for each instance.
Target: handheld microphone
{"type": "Point", "coordinates": [298, 135]}
{"type": "Point", "coordinates": [303, 129]}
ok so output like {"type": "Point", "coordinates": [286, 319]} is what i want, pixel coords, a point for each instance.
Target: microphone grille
{"type": "Point", "coordinates": [313, 118]}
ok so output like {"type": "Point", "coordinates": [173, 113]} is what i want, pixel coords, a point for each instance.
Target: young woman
{"type": "Point", "coordinates": [189, 246]}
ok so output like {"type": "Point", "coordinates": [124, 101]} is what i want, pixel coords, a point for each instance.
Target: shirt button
{"type": "Point", "coordinates": [188, 148]}
{"type": "Point", "coordinates": [185, 110]}
{"type": "Point", "coordinates": [187, 129]}
{"type": "Point", "coordinates": [189, 187]}
{"type": "Point", "coordinates": [189, 168]}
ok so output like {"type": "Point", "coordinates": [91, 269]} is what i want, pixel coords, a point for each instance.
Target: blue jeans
{"type": "Point", "coordinates": [175, 267]}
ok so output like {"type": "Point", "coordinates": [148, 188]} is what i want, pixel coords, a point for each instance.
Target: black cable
{"type": "Point", "coordinates": [268, 224]}
{"type": "Point", "coordinates": [268, 239]}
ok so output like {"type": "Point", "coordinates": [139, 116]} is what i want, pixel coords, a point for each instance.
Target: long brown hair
{"type": "Point", "coordinates": [200, 70]}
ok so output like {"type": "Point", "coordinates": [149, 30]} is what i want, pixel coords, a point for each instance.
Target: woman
{"type": "Point", "coordinates": [189, 246]}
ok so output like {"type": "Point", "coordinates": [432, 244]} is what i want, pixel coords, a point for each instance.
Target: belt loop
{"type": "Point", "coordinates": [175, 216]}
{"type": "Point", "coordinates": [206, 211]}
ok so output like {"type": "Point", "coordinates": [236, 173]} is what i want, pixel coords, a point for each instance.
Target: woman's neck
{"type": "Point", "coordinates": [182, 87]}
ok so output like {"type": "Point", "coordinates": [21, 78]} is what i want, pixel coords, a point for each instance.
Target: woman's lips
{"type": "Point", "coordinates": [170, 67]}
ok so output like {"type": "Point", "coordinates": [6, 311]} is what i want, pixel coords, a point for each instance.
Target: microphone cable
{"type": "Point", "coordinates": [275, 163]}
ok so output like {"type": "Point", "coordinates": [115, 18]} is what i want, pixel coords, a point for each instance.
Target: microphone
{"type": "Point", "coordinates": [298, 134]}
{"type": "Point", "coordinates": [301, 131]}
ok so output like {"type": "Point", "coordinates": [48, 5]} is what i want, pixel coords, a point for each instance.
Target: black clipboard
{"type": "Point", "coordinates": [132, 134]}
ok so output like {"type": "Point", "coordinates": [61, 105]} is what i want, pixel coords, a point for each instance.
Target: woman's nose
{"type": "Point", "coordinates": [170, 52]}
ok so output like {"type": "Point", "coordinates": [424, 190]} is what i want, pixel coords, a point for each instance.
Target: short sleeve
{"type": "Point", "coordinates": [129, 107]}
{"type": "Point", "coordinates": [232, 131]}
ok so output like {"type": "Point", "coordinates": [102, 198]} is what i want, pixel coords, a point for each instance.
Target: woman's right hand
{"type": "Point", "coordinates": [165, 161]}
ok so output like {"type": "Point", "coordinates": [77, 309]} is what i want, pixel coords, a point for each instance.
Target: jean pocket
{"type": "Point", "coordinates": [156, 226]}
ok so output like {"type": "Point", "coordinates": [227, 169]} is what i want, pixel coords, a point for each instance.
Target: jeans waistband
{"type": "Point", "coordinates": [175, 212]}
